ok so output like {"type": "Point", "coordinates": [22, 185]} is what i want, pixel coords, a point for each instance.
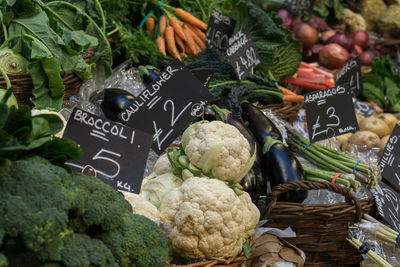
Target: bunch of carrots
{"type": "Point", "coordinates": [290, 96]}
{"type": "Point", "coordinates": [177, 32]}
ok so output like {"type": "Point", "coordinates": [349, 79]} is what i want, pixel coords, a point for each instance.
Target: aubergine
{"type": "Point", "coordinates": [259, 124]}
{"type": "Point", "coordinates": [254, 183]}
{"type": "Point", "coordinates": [114, 102]}
{"type": "Point", "coordinates": [281, 167]}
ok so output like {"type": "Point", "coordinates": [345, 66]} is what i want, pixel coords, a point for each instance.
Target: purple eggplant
{"type": "Point", "coordinates": [254, 183]}
{"type": "Point", "coordinates": [259, 124]}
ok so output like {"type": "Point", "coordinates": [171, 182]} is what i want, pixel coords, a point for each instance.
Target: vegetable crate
{"type": "Point", "coordinates": [321, 229]}
{"type": "Point", "coordinates": [23, 86]}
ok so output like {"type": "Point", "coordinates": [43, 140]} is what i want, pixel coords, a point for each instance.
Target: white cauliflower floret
{"type": "Point", "coordinates": [218, 149]}
{"type": "Point", "coordinates": [142, 207]}
{"type": "Point", "coordinates": [162, 165]}
{"type": "Point", "coordinates": [251, 213]}
{"type": "Point", "coordinates": [208, 220]}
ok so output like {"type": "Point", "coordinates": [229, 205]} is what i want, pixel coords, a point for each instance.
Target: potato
{"type": "Point", "coordinates": [343, 139]}
{"type": "Point", "coordinates": [359, 117]}
{"type": "Point", "coordinates": [375, 125]}
{"type": "Point", "coordinates": [382, 144]}
{"type": "Point", "coordinates": [389, 119]}
{"type": "Point", "coordinates": [364, 138]}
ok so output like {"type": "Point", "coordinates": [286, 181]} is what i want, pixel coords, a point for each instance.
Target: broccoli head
{"type": "Point", "coordinates": [57, 219]}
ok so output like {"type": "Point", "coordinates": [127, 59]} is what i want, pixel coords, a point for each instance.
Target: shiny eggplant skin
{"type": "Point", "coordinates": [114, 102]}
{"type": "Point", "coordinates": [283, 167]}
{"type": "Point", "coordinates": [259, 124]}
{"type": "Point", "coordinates": [254, 184]}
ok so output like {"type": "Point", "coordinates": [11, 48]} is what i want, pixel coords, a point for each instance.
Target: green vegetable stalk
{"type": "Point", "coordinates": [331, 160]}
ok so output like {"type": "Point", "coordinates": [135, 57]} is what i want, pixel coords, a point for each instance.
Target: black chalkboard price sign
{"type": "Point", "coordinates": [398, 63]}
{"type": "Point", "coordinates": [168, 105]}
{"type": "Point", "coordinates": [219, 30]}
{"type": "Point", "coordinates": [351, 73]}
{"type": "Point", "coordinates": [390, 160]}
{"type": "Point", "coordinates": [112, 152]}
{"type": "Point", "coordinates": [330, 112]}
{"type": "Point", "coordinates": [302, 7]}
{"type": "Point", "coordinates": [204, 75]}
{"type": "Point", "coordinates": [242, 54]}
{"type": "Point", "coordinates": [387, 201]}
{"type": "Point", "coordinates": [363, 108]}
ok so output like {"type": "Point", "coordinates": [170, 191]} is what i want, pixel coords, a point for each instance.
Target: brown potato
{"type": "Point", "coordinates": [382, 144]}
{"type": "Point", "coordinates": [359, 117]}
{"type": "Point", "coordinates": [389, 119]}
{"type": "Point", "coordinates": [364, 138]}
{"type": "Point", "coordinates": [343, 139]}
{"type": "Point", "coordinates": [375, 125]}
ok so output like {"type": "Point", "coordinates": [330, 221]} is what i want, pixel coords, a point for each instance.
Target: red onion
{"type": "Point", "coordinates": [343, 40]}
{"type": "Point", "coordinates": [333, 56]}
{"type": "Point", "coordinates": [318, 23]}
{"type": "Point", "coordinates": [286, 18]}
{"type": "Point", "coordinates": [311, 54]}
{"type": "Point", "coordinates": [326, 35]}
{"type": "Point", "coordinates": [307, 35]}
{"type": "Point", "coordinates": [361, 38]}
{"type": "Point", "coordinates": [366, 57]}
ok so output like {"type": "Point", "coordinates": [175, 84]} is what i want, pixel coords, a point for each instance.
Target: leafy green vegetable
{"type": "Point", "coordinates": [52, 37]}
{"type": "Point", "coordinates": [330, 10]}
{"type": "Point", "coordinates": [382, 84]}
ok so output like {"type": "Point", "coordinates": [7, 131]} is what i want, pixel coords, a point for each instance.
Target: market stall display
{"type": "Point", "coordinates": [199, 133]}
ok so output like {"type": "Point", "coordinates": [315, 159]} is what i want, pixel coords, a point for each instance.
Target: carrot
{"type": "Point", "coordinates": [293, 98]}
{"type": "Point", "coordinates": [188, 50]}
{"type": "Point", "coordinates": [286, 91]}
{"type": "Point", "coordinates": [190, 42]}
{"type": "Point", "coordinates": [198, 32]}
{"type": "Point", "coordinates": [183, 55]}
{"type": "Point", "coordinates": [150, 24]}
{"type": "Point", "coordinates": [189, 18]}
{"type": "Point", "coordinates": [162, 25]}
{"type": "Point", "coordinates": [179, 42]}
{"type": "Point", "coordinates": [170, 40]}
{"type": "Point", "coordinates": [177, 28]}
{"type": "Point", "coordinates": [161, 45]}
{"type": "Point", "coordinates": [197, 39]}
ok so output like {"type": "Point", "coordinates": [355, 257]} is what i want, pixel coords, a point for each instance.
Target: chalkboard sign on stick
{"type": "Point", "coordinates": [302, 7]}
{"type": "Point", "coordinates": [330, 112]}
{"type": "Point", "coordinates": [390, 160]}
{"type": "Point", "coordinates": [387, 201]}
{"type": "Point", "coordinates": [168, 105]}
{"type": "Point", "coordinates": [363, 108]}
{"type": "Point", "coordinates": [219, 30]}
{"type": "Point", "coordinates": [112, 152]}
{"type": "Point", "coordinates": [351, 73]}
{"type": "Point", "coordinates": [242, 54]}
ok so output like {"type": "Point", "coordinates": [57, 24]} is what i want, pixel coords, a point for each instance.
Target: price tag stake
{"type": "Point", "coordinates": [330, 112]}
{"type": "Point", "coordinates": [113, 153]}
{"type": "Point", "coordinates": [168, 105]}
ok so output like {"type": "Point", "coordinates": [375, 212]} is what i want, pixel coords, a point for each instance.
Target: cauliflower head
{"type": "Point", "coordinates": [155, 187]}
{"type": "Point", "coordinates": [162, 165]}
{"type": "Point", "coordinates": [207, 219]}
{"type": "Point", "coordinates": [142, 207]}
{"type": "Point", "coordinates": [218, 149]}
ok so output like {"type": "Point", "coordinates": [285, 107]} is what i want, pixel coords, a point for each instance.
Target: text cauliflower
{"type": "Point", "coordinates": [207, 219]}
{"type": "Point", "coordinates": [218, 149]}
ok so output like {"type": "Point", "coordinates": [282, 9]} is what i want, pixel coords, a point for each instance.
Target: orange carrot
{"type": "Point", "coordinates": [198, 32]}
{"type": "Point", "coordinates": [197, 40]}
{"type": "Point", "coordinates": [188, 50]}
{"type": "Point", "coordinates": [183, 55]}
{"type": "Point", "coordinates": [161, 45]}
{"type": "Point", "coordinates": [190, 42]}
{"type": "Point", "coordinates": [293, 98]}
{"type": "Point", "coordinates": [189, 18]}
{"type": "Point", "coordinates": [162, 25]}
{"type": "Point", "coordinates": [177, 28]}
{"type": "Point", "coordinates": [286, 91]}
{"type": "Point", "coordinates": [170, 41]}
{"type": "Point", "coordinates": [150, 24]}
{"type": "Point", "coordinates": [179, 42]}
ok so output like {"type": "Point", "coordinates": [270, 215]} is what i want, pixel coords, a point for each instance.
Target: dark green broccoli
{"type": "Point", "coordinates": [57, 219]}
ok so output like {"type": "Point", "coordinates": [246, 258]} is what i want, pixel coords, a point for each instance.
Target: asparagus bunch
{"type": "Point", "coordinates": [347, 180]}
{"type": "Point", "coordinates": [331, 160]}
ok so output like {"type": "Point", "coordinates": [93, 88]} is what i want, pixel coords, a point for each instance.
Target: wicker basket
{"type": "Point", "coordinates": [286, 111]}
{"type": "Point", "coordinates": [23, 86]}
{"type": "Point", "coordinates": [321, 230]}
